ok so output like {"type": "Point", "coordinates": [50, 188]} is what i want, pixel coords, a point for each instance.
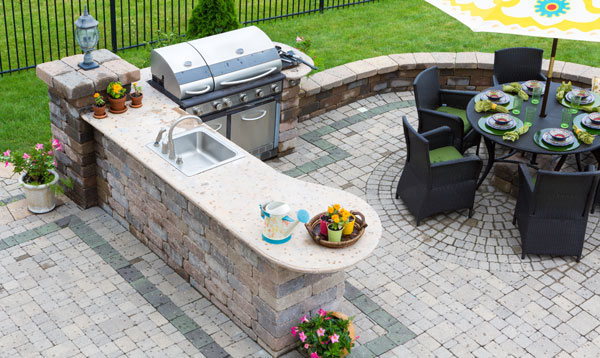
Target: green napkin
{"type": "Point", "coordinates": [489, 106]}
{"type": "Point", "coordinates": [515, 87]}
{"type": "Point", "coordinates": [564, 88]}
{"type": "Point", "coordinates": [514, 135]}
{"type": "Point", "coordinates": [582, 135]}
{"type": "Point", "coordinates": [589, 108]}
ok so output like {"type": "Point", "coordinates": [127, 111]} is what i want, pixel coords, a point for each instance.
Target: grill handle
{"type": "Point", "coordinates": [231, 83]}
{"type": "Point", "coordinates": [217, 128]}
{"type": "Point", "coordinates": [264, 113]}
{"type": "Point", "coordinates": [195, 93]}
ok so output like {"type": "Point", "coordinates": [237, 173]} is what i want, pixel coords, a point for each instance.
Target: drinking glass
{"type": "Point", "coordinates": [575, 102]}
{"type": "Point", "coordinates": [530, 114]}
{"type": "Point", "coordinates": [517, 104]}
{"type": "Point", "coordinates": [565, 121]}
{"type": "Point", "coordinates": [536, 93]}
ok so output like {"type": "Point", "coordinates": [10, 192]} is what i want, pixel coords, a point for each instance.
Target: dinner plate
{"type": "Point", "coordinates": [551, 137]}
{"type": "Point", "coordinates": [528, 86]}
{"type": "Point", "coordinates": [587, 96]}
{"type": "Point", "coordinates": [591, 120]}
{"type": "Point", "coordinates": [497, 119]}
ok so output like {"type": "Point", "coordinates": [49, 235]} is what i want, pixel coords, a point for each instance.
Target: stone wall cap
{"type": "Point", "coordinates": [73, 85]}
{"type": "Point", "coordinates": [405, 61]}
{"type": "Point", "coordinates": [125, 71]}
{"type": "Point", "coordinates": [444, 60]}
{"type": "Point", "coordinates": [362, 68]}
{"type": "Point", "coordinates": [48, 70]}
{"type": "Point", "coordinates": [384, 64]}
{"type": "Point", "coordinates": [466, 60]}
{"type": "Point", "coordinates": [325, 80]}
{"type": "Point", "coordinates": [485, 60]}
{"type": "Point", "coordinates": [309, 86]}
{"type": "Point", "coordinates": [342, 72]}
{"type": "Point", "coordinates": [424, 60]}
{"type": "Point", "coordinates": [101, 77]}
{"type": "Point", "coordinates": [572, 71]}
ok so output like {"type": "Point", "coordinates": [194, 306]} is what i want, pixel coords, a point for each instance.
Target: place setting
{"type": "Point", "coordinates": [499, 123]}
{"type": "Point", "coordinates": [556, 139]}
{"type": "Point", "coordinates": [495, 97]}
{"type": "Point", "coordinates": [590, 122]}
{"type": "Point", "coordinates": [574, 98]}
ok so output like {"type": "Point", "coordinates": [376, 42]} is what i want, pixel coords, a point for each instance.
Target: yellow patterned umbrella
{"type": "Point", "coordinates": [564, 19]}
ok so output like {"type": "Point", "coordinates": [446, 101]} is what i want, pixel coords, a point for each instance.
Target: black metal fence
{"type": "Point", "coordinates": [36, 31]}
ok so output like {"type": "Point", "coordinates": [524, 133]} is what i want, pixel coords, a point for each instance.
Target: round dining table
{"type": "Point", "coordinates": [526, 142]}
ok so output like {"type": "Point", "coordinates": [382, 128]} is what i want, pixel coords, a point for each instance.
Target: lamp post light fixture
{"type": "Point", "coordinates": [86, 35]}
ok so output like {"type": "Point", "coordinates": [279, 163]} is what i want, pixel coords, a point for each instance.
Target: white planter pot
{"type": "Point", "coordinates": [40, 198]}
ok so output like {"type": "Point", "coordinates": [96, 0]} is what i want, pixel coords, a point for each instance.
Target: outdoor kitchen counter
{"type": "Point", "coordinates": [231, 193]}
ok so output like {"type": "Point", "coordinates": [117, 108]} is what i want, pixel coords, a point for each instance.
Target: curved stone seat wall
{"type": "Point", "coordinates": [347, 83]}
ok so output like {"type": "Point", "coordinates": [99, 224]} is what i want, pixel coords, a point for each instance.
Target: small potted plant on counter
{"type": "Point", "coordinates": [325, 219]}
{"type": "Point", "coordinates": [116, 97]}
{"type": "Point", "coordinates": [328, 334]}
{"type": "Point", "coordinates": [336, 226]}
{"type": "Point", "coordinates": [136, 95]}
{"type": "Point", "coordinates": [99, 106]}
{"type": "Point", "coordinates": [38, 177]}
{"type": "Point", "coordinates": [349, 225]}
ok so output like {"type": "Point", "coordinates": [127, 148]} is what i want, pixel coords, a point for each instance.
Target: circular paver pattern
{"type": "Point", "coordinates": [486, 241]}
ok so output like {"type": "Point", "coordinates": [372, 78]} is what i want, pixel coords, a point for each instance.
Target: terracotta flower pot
{"type": "Point", "coordinates": [351, 330]}
{"type": "Point", "coordinates": [99, 111]}
{"type": "Point", "coordinates": [117, 105]}
{"type": "Point", "coordinates": [136, 101]}
{"type": "Point", "coordinates": [40, 198]}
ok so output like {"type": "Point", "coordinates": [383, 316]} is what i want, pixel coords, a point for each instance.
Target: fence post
{"type": "Point", "coordinates": [113, 24]}
{"type": "Point", "coordinates": [321, 5]}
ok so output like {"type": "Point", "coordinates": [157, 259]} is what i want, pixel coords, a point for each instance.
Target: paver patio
{"type": "Point", "coordinates": [75, 283]}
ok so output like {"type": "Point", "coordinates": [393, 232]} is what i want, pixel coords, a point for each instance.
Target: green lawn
{"type": "Point", "coordinates": [338, 36]}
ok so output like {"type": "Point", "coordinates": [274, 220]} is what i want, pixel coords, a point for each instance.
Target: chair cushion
{"type": "Point", "coordinates": [457, 112]}
{"type": "Point", "coordinates": [444, 154]}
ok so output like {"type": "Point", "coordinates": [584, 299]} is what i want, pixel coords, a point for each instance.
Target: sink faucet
{"type": "Point", "coordinates": [171, 145]}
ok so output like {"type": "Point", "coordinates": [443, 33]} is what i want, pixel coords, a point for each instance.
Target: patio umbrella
{"type": "Point", "coordinates": [557, 19]}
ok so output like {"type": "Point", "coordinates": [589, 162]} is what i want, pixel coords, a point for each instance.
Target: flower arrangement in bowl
{"type": "Point", "coordinates": [136, 95]}
{"type": "Point", "coordinates": [116, 97]}
{"type": "Point", "coordinates": [38, 177]}
{"type": "Point", "coordinates": [328, 334]}
{"type": "Point", "coordinates": [99, 106]}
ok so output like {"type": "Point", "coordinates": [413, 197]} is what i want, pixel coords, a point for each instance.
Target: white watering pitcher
{"type": "Point", "coordinates": [278, 225]}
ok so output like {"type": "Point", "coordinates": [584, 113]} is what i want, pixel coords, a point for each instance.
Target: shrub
{"type": "Point", "coordinates": [211, 17]}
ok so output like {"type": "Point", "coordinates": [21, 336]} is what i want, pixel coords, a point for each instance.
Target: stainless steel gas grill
{"type": "Point", "coordinates": [232, 80]}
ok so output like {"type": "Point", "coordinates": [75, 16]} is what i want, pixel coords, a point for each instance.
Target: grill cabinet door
{"type": "Point", "coordinates": [254, 129]}
{"type": "Point", "coordinates": [219, 124]}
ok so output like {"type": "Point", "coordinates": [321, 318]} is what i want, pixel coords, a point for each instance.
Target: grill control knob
{"type": "Point", "coordinates": [227, 102]}
{"type": "Point", "coordinates": [217, 105]}
{"type": "Point", "coordinates": [275, 87]}
{"type": "Point", "coordinates": [197, 111]}
{"type": "Point", "coordinates": [244, 97]}
{"type": "Point", "coordinates": [259, 93]}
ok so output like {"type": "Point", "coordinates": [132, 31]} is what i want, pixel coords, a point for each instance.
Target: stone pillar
{"type": "Point", "coordinates": [290, 109]}
{"type": "Point", "coordinates": [71, 92]}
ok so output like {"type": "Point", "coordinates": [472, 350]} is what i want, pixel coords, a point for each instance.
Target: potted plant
{"type": "Point", "coordinates": [336, 226]}
{"type": "Point", "coordinates": [325, 219]}
{"type": "Point", "coordinates": [328, 334]}
{"type": "Point", "coordinates": [116, 97]}
{"type": "Point", "coordinates": [349, 225]}
{"type": "Point", "coordinates": [99, 106]}
{"type": "Point", "coordinates": [136, 96]}
{"type": "Point", "coordinates": [38, 177]}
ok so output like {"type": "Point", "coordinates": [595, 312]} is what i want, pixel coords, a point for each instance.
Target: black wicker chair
{"type": "Point", "coordinates": [436, 177]}
{"type": "Point", "coordinates": [518, 64]}
{"type": "Point", "coordinates": [552, 213]}
{"type": "Point", "coordinates": [440, 107]}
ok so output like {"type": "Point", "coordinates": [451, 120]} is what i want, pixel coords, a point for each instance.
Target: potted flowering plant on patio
{"type": "Point", "coordinates": [326, 218]}
{"type": "Point", "coordinates": [336, 226]}
{"type": "Point", "coordinates": [99, 106]}
{"type": "Point", "coordinates": [38, 177]}
{"type": "Point", "coordinates": [328, 334]}
{"type": "Point", "coordinates": [116, 97]}
{"type": "Point", "coordinates": [136, 95]}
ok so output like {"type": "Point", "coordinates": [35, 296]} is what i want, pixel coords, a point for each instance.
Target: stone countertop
{"type": "Point", "coordinates": [231, 193]}
{"type": "Point", "coordinates": [297, 72]}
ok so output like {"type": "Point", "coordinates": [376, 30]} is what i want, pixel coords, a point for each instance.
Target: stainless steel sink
{"type": "Point", "coordinates": [198, 150]}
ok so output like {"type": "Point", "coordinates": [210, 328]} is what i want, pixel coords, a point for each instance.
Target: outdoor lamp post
{"type": "Point", "coordinates": [86, 35]}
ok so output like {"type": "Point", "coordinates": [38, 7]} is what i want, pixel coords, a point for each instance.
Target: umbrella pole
{"type": "Point", "coordinates": [550, 69]}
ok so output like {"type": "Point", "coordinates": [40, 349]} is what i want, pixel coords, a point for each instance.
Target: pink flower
{"type": "Point", "coordinates": [26, 156]}
{"type": "Point", "coordinates": [320, 332]}
{"type": "Point", "coordinates": [302, 336]}
{"type": "Point", "coordinates": [327, 318]}
{"type": "Point", "coordinates": [298, 39]}
{"type": "Point", "coordinates": [294, 331]}
{"type": "Point", "coordinates": [6, 154]}
{"type": "Point", "coordinates": [335, 338]}
{"type": "Point", "coordinates": [314, 355]}
{"type": "Point", "coordinates": [324, 342]}
{"type": "Point", "coordinates": [49, 152]}
{"type": "Point", "coordinates": [322, 313]}
{"type": "Point", "coordinates": [304, 319]}
{"type": "Point", "coordinates": [55, 143]}
{"type": "Point", "coordinates": [59, 147]}
{"type": "Point", "coordinates": [6, 164]}
{"type": "Point", "coordinates": [39, 147]}
{"type": "Point", "coordinates": [357, 337]}
{"type": "Point", "coordinates": [306, 346]}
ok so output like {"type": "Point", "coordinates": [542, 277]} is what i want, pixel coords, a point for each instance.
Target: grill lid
{"type": "Point", "coordinates": [215, 62]}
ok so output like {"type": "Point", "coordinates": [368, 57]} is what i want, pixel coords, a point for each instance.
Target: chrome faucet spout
{"type": "Point", "coordinates": [170, 137]}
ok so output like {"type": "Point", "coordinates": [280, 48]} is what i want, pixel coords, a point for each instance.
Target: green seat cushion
{"type": "Point", "coordinates": [457, 112]}
{"type": "Point", "coordinates": [444, 154]}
